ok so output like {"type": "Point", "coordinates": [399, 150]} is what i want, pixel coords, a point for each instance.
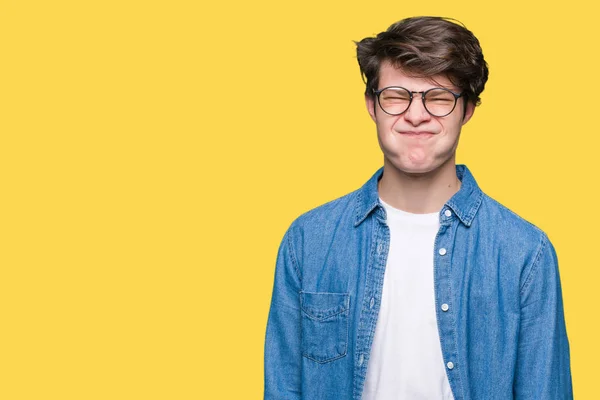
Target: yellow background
{"type": "Point", "coordinates": [149, 166]}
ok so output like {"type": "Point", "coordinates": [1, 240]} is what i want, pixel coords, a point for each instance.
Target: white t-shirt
{"type": "Point", "coordinates": [406, 356]}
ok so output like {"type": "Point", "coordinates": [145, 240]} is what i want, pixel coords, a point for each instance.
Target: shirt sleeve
{"type": "Point", "coordinates": [283, 359]}
{"type": "Point", "coordinates": [543, 369]}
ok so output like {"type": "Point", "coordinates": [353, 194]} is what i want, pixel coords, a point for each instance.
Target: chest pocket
{"type": "Point", "coordinates": [324, 325]}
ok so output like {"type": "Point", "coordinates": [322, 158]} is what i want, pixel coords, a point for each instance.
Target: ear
{"type": "Point", "coordinates": [469, 112]}
{"type": "Point", "coordinates": [370, 102]}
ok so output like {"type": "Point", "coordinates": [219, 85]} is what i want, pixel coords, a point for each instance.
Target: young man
{"type": "Point", "coordinates": [417, 285]}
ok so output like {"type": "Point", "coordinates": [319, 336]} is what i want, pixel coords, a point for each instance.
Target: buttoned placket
{"type": "Point", "coordinates": [371, 298]}
{"type": "Point", "coordinates": [443, 299]}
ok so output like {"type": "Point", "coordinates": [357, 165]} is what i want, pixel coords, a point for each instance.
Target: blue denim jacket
{"type": "Point", "coordinates": [503, 335]}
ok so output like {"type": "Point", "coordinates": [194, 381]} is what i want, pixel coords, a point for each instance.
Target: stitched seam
{"type": "Point", "coordinates": [376, 260]}
{"type": "Point", "coordinates": [452, 233]}
{"type": "Point", "coordinates": [327, 360]}
{"type": "Point", "coordinates": [293, 255]}
{"type": "Point", "coordinates": [360, 335]}
{"type": "Point", "coordinates": [534, 266]}
{"type": "Point", "coordinates": [475, 207]}
{"type": "Point", "coordinates": [315, 318]}
{"type": "Point", "coordinates": [358, 203]}
{"type": "Point", "coordinates": [337, 293]}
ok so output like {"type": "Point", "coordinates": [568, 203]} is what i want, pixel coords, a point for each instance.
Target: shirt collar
{"type": "Point", "coordinates": [464, 203]}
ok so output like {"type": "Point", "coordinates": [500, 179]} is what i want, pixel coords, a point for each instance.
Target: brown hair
{"type": "Point", "coordinates": [425, 47]}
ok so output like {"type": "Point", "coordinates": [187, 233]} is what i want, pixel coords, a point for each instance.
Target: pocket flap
{"type": "Point", "coordinates": [324, 305]}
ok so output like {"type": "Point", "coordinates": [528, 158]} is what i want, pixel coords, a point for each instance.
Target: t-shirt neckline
{"type": "Point", "coordinates": [396, 213]}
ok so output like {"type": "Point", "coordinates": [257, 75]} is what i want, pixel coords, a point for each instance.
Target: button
{"type": "Point", "coordinates": [450, 365]}
{"type": "Point", "coordinates": [380, 248]}
{"type": "Point", "coordinates": [361, 359]}
{"type": "Point", "coordinates": [445, 307]}
{"type": "Point", "coordinates": [442, 251]}
{"type": "Point", "coordinates": [372, 303]}
{"type": "Point", "coordinates": [448, 213]}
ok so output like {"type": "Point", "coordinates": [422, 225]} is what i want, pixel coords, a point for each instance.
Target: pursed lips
{"type": "Point", "coordinates": [417, 133]}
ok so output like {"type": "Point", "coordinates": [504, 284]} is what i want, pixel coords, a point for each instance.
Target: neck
{"type": "Point", "coordinates": [418, 193]}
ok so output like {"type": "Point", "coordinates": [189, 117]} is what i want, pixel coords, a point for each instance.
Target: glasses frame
{"type": "Point", "coordinates": [423, 94]}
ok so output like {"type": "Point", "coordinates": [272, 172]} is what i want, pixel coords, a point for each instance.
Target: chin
{"type": "Point", "coordinates": [415, 169]}
{"type": "Point", "coordinates": [404, 164]}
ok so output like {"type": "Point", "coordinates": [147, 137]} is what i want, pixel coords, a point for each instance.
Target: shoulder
{"type": "Point", "coordinates": [311, 233]}
{"type": "Point", "coordinates": [327, 215]}
{"type": "Point", "coordinates": [520, 238]}
{"type": "Point", "coordinates": [508, 223]}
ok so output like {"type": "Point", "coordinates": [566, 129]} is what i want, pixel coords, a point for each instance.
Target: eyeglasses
{"type": "Point", "coordinates": [439, 102]}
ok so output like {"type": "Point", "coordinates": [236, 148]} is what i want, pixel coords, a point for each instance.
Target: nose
{"type": "Point", "coordinates": [416, 112]}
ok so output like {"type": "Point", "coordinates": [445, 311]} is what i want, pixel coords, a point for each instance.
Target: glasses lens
{"type": "Point", "coordinates": [440, 102]}
{"type": "Point", "coordinates": [394, 100]}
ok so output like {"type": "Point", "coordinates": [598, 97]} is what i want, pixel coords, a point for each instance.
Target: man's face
{"type": "Point", "coordinates": [416, 142]}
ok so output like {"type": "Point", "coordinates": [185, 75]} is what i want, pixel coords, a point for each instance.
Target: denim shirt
{"type": "Point", "coordinates": [497, 296]}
